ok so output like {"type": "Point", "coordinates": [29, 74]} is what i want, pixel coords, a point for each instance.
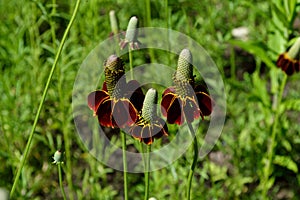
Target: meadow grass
{"type": "Point", "coordinates": [30, 33]}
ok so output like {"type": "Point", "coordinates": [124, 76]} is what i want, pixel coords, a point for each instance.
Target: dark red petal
{"type": "Point", "coordinates": [147, 136]}
{"type": "Point", "coordinates": [191, 109]}
{"type": "Point", "coordinates": [135, 94]}
{"type": "Point", "coordinates": [174, 112]}
{"type": "Point", "coordinates": [155, 130]}
{"type": "Point", "coordinates": [158, 131]}
{"type": "Point", "coordinates": [286, 64]}
{"type": "Point", "coordinates": [200, 88]}
{"type": "Point", "coordinates": [104, 86]}
{"type": "Point", "coordinates": [163, 124]}
{"type": "Point", "coordinates": [96, 98]}
{"type": "Point", "coordinates": [205, 103]}
{"type": "Point", "coordinates": [169, 90]}
{"type": "Point", "coordinates": [166, 102]}
{"type": "Point", "coordinates": [282, 61]}
{"type": "Point", "coordinates": [136, 132]}
{"type": "Point", "coordinates": [123, 113]}
{"type": "Point", "coordinates": [104, 113]}
{"type": "Point", "coordinates": [290, 69]}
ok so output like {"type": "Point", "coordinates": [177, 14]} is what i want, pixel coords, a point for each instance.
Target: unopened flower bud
{"type": "Point", "coordinates": [113, 22]}
{"type": "Point", "coordinates": [57, 157]}
{"type": "Point", "coordinates": [131, 32]}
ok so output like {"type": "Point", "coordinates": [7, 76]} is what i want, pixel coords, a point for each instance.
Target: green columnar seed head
{"type": "Point", "coordinates": [131, 32]}
{"type": "Point", "coordinates": [149, 105]}
{"type": "Point", "coordinates": [294, 50]}
{"type": "Point", "coordinates": [183, 78]}
{"type": "Point", "coordinates": [184, 68]}
{"type": "Point", "coordinates": [113, 22]}
{"type": "Point", "coordinates": [114, 76]}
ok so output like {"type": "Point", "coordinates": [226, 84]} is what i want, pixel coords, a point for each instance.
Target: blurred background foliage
{"type": "Point", "coordinates": [30, 33]}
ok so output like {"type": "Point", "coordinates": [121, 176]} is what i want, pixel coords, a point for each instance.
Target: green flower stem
{"type": "Point", "coordinates": [130, 62]}
{"type": "Point", "coordinates": [191, 173]}
{"type": "Point", "coordinates": [123, 135]}
{"type": "Point", "coordinates": [52, 24]}
{"type": "Point", "coordinates": [27, 148]}
{"type": "Point", "coordinates": [149, 24]}
{"type": "Point", "coordinates": [60, 180]}
{"type": "Point", "coordinates": [272, 145]}
{"type": "Point", "coordinates": [147, 172]}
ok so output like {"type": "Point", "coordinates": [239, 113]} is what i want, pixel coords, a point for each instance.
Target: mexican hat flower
{"type": "Point", "coordinates": [184, 100]}
{"type": "Point", "coordinates": [131, 35]}
{"type": "Point", "coordinates": [117, 104]}
{"type": "Point", "coordinates": [289, 61]}
{"type": "Point", "coordinates": [149, 126]}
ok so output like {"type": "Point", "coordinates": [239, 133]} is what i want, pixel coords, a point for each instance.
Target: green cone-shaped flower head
{"type": "Point", "coordinates": [184, 78]}
{"type": "Point", "coordinates": [149, 107]}
{"type": "Point", "coordinates": [184, 67]}
{"type": "Point", "coordinates": [114, 76]}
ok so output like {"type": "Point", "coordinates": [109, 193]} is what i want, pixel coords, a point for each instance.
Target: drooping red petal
{"type": "Point", "coordinates": [136, 132]}
{"type": "Point", "coordinates": [105, 113]}
{"type": "Point", "coordinates": [205, 103]}
{"type": "Point", "coordinates": [166, 102]}
{"type": "Point", "coordinates": [286, 64]}
{"type": "Point", "coordinates": [162, 123]}
{"type": "Point", "coordinates": [146, 135]}
{"type": "Point", "coordinates": [289, 68]}
{"type": "Point", "coordinates": [135, 94]}
{"type": "Point", "coordinates": [190, 109]}
{"type": "Point", "coordinates": [123, 113]}
{"type": "Point", "coordinates": [96, 98]}
{"type": "Point", "coordinates": [174, 112]}
{"type": "Point", "coordinates": [169, 90]}
{"type": "Point", "coordinates": [158, 131]}
{"type": "Point", "coordinates": [104, 86]}
{"type": "Point", "coordinates": [200, 88]}
{"type": "Point", "coordinates": [133, 113]}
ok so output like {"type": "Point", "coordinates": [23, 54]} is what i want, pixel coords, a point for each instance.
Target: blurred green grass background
{"type": "Point", "coordinates": [30, 33]}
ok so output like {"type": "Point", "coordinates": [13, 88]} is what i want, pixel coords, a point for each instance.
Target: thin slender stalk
{"type": "Point", "coordinates": [130, 62]}
{"type": "Point", "coordinates": [52, 24]}
{"type": "Point", "coordinates": [147, 172]}
{"type": "Point", "coordinates": [143, 156]}
{"type": "Point", "coordinates": [60, 181]}
{"type": "Point", "coordinates": [149, 24]}
{"type": "Point", "coordinates": [272, 145]}
{"type": "Point", "coordinates": [27, 148]}
{"type": "Point", "coordinates": [123, 135]}
{"type": "Point", "coordinates": [191, 173]}
{"type": "Point", "coordinates": [148, 13]}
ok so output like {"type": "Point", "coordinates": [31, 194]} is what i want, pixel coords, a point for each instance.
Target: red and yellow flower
{"type": "Point", "coordinates": [117, 104]}
{"type": "Point", "coordinates": [184, 101]}
{"type": "Point", "coordinates": [149, 126]}
{"type": "Point", "coordinates": [289, 61]}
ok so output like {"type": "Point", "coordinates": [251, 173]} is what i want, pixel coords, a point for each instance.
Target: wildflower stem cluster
{"type": "Point", "coordinates": [28, 145]}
